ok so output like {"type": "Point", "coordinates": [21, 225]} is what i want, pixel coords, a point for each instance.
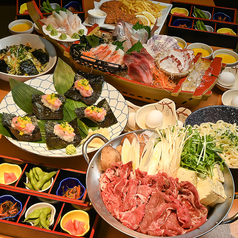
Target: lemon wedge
{"type": "Point", "coordinates": [23, 8]}
{"type": "Point", "coordinates": [145, 21]}
{"type": "Point", "coordinates": [149, 16]}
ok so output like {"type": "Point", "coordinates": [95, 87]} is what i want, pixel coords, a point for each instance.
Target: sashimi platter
{"type": "Point", "coordinates": [134, 57]}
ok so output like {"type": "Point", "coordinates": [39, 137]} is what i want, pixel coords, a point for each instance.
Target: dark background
{"type": "Point", "coordinates": [7, 14]}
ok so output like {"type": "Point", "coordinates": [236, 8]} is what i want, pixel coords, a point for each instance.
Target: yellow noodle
{"type": "Point", "coordinates": [220, 130]}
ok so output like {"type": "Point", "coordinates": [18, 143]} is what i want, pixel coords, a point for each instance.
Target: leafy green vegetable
{"type": "Point", "coordinates": [119, 44]}
{"type": "Point", "coordinates": [63, 77]}
{"type": "Point", "coordinates": [200, 153]}
{"type": "Point", "coordinates": [139, 26]}
{"type": "Point", "coordinates": [93, 40]}
{"type": "Point", "coordinates": [69, 107]}
{"type": "Point", "coordinates": [3, 130]}
{"type": "Point", "coordinates": [22, 94]}
{"type": "Point", "coordinates": [136, 47]}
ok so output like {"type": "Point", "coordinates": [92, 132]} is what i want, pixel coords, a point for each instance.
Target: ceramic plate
{"type": "Point", "coordinates": [45, 84]}
{"type": "Point", "coordinates": [68, 39]}
{"type": "Point", "coordinates": [161, 20]}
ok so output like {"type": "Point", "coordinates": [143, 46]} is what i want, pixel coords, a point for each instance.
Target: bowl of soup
{"type": "Point", "coordinates": [181, 42]}
{"type": "Point", "coordinates": [205, 49]}
{"type": "Point", "coordinates": [229, 57]}
{"type": "Point", "coordinates": [21, 26]}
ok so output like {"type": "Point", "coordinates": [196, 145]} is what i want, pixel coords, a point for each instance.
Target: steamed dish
{"type": "Point", "coordinates": [23, 60]}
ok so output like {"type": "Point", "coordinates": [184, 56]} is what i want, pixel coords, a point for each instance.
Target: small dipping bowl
{"type": "Point", "coordinates": [181, 42]}
{"type": "Point", "coordinates": [5, 198]}
{"type": "Point", "coordinates": [73, 6]}
{"type": "Point", "coordinates": [179, 11]}
{"type": "Point", "coordinates": [68, 183]}
{"type": "Point", "coordinates": [227, 31]}
{"type": "Point", "coordinates": [229, 57]}
{"type": "Point", "coordinates": [9, 168]}
{"type": "Point", "coordinates": [44, 190]}
{"type": "Point", "coordinates": [205, 49]}
{"type": "Point", "coordinates": [21, 26]}
{"type": "Point", "coordinates": [230, 98]}
{"type": "Point", "coordinates": [182, 22]}
{"type": "Point", "coordinates": [54, 5]}
{"type": "Point", "coordinates": [207, 13]}
{"type": "Point", "coordinates": [221, 16]}
{"type": "Point", "coordinates": [96, 16]}
{"type": "Point", "coordinates": [39, 206]}
{"type": "Point", "coordinates": [76, 215]}
{"type": "Point", "coordinates": [209, 28]}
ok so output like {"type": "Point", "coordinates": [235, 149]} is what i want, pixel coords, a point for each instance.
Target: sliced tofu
{"type": "Point", "coordinates": [221, 191]}
{"type": "Point", "coordinates": [187, 175]}
{"type": "Point", "coordinates": [217, 173]}
{"type": "Point", "coordinates": [210, 192]}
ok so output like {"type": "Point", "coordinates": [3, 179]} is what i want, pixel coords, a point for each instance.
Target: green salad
{"type": "Point", "coordinates": [23, 60]}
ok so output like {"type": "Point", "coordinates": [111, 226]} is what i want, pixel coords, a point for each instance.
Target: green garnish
{"type": "Point", "coordinates": [75, 36]}
{"type": "Point", "coordinates": [200, 153]}
{"type": "Point", "coordinates": [54, 32]}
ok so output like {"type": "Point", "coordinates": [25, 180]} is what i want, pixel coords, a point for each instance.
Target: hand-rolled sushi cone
{"type": "Point", "coordinates": [34, 136]}
{"type": "Point", "coordinates": [55, 142]}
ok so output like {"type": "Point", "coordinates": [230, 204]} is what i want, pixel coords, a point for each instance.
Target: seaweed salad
{"type": "Point", "coordinates": [23, 60]}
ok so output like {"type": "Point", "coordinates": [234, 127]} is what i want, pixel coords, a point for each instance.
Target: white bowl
{"type": "Point", "coordinates": [209, 28]}
{"type": "Point", "coordinates": [182, 42]}
{"type": "Point", "coordinates": [202, 46]}
{"type": "Point", "coordinates": [34, 41]}
{"type": "Point", "coordinates": [21, 21]}
{"type": "Point", "coordinates": [96, 16]}
{"type": "Point", "coordinates": [44, 190]}
{"type": "Point", "coordinates": [234, 71]}
{"type": "Point", "coordinates": [228, 96]}
{"type": "Point", "coordinates": [208, 14]}
{"type": "Point", "coordinates": [39, 206]}
{"type": "Point", "coordinates": [228, 52]}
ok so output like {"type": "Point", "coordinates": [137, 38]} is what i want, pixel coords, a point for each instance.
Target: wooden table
{"type": "Point", "coordinates": [105, 230]}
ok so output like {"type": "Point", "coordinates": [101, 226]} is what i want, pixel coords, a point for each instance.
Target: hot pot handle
{"type": "Point", "coordinates": [232, 219]}
{"type": "Point", "coordinates": [85, 144]}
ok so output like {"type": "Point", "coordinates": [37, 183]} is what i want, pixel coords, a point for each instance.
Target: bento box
{"type": "Point", "coordinates": [219, 18]}
{"type": "Point", "coordinates": [76, 7]}
{"type": "Point", "coordinates": [28, 198]}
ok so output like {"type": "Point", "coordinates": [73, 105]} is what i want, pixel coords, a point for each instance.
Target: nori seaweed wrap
{"type": "Point", "coordinates": [35, 136]}
{"type": "Point", "coordinates": [28, 67]}
{"type": "Point", "coordinates": [55, 142]}
{"type": "Point", "coordinates": [96, 82]}
{"type": "Point", "coordinates": [109, 119]}
{"type": "Point", "coordinates": [41, 55]}
{"type": "Point", "coordinates": [44, 113]}
{"type": "Point", "coordinates": [3, 66]}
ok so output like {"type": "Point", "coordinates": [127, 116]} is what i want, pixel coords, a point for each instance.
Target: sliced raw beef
{"type": "Point", "coordinates": [156, 205]}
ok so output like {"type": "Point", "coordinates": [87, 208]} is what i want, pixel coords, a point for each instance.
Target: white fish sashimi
{"type": "Point", "coordinates": [65, 22]}
{"type": "Point", "coordinates": [50, 20]}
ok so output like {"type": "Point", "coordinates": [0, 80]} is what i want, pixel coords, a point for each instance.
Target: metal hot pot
{"type": "Point", "coordinates": [216, 215]}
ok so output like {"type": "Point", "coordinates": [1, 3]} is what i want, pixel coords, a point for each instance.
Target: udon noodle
{"type": "Point", "coordinates": [226, 134]}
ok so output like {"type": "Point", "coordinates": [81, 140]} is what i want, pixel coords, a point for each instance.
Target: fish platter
{"type": "Point", "coordinates": [138, 64]}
